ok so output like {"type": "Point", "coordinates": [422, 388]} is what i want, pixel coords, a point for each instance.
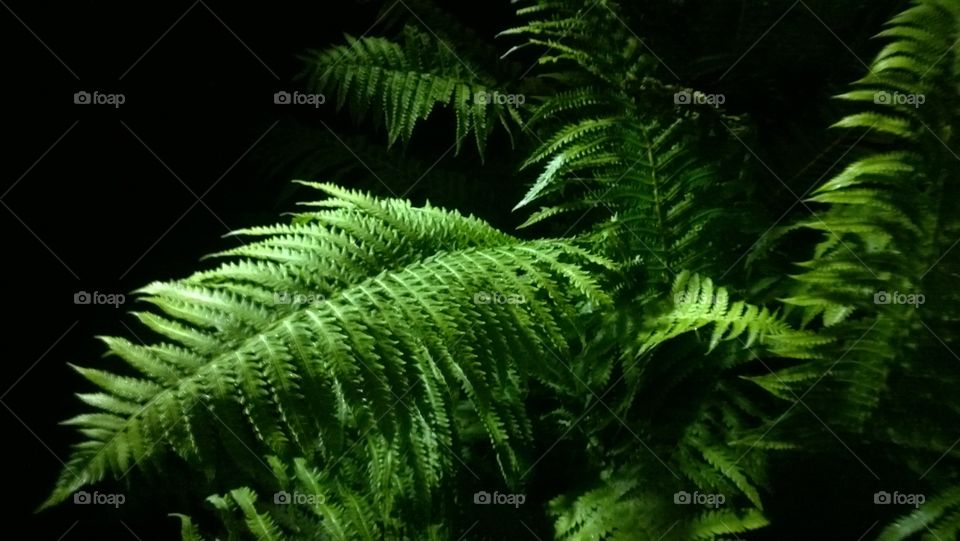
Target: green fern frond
{"type": "Point", "coordinates": [307, 504]}
{"type": "Point", "coordinates": [885, 223]}
{"type": "Point", "coordinates": [937, 518]}
{"type": "Point", "coordinates": [628, 505]}
{"type": "Point", "coordinates": [697, 304]}
{"type": "Point", "coordinates": [593, 36]}
{"type": "Point", "coordinates": [645, 176]}
{"type": "Point", "coordinates": [376, 303]}
{"type": "Point", "coordinates": [409, 79]}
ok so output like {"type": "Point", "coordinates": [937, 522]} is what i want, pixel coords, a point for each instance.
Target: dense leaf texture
{"type": "Point", "coordinates": [375, 361]}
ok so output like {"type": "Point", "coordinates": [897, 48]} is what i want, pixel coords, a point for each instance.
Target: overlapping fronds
{"type": "Point", "coordinates": [367, 319]}
{"type": "Point", "coordinates": [612, 143]}
{"type": "Point", "coordinates": [627, 505]}
{"type": "Point", "coordinates": [878, 275]}
{"type": "Point", "coordinates": [308, 504]}
{"type": "Point", "coordinates": [592, 36]}
{"type": "Point", "coordinates": [679, 414]}
{"type": "Point", "coordinates": [660, 198]}
{"type": "Point", "coordinates": [333, 378]}
{"type": "Point", "coordinates": [406, 80]}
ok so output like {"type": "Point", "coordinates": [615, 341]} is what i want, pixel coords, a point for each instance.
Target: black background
{"type": "Point", "coordinates": [101, 213]}
{"type": "Point", "coordinates": [102, 199]}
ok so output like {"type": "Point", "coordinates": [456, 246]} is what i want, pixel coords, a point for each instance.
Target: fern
{"type": "Point", "coordinates": [881, 236]}
{"type": "Point", "coordinates": [409, 79]}
{"type": "Point", "coordinates": [356, 372]}
{"type": "Point", "coordinates": [293, 378]}
{"type": "Point", "coordinates": [687, 411]}
{"type": "Point", "coordinates": [607, 147]}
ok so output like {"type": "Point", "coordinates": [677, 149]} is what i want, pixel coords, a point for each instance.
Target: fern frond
{"type": "Point", "coordinates": [937, 518]}
{"type": "Point", "coordinates": [885, 225]}
{"type": "Point", "coordinates": [408, 310]}
{"type": "Point", "coordinates": [409, 79]}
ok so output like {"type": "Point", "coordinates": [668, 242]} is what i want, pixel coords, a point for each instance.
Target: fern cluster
{"type": "Point", "coordinates": [369, 369]}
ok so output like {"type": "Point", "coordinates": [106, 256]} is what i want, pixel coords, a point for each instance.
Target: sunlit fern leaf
{"type": "Point", "coordinates": [696, 303]}
{"type": "Point", "coordinates": [369, 316]}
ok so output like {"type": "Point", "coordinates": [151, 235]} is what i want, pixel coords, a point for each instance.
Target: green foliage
{"type": "Point", "coordinates": [408, 80]}
{"type": "Point", "coordinates": [611, 141]}
{"type": "Point", "coordinates": [437, 356]}
{"type": "Point", "coordinates": [887, 231]}
{"type": "Point", "coordinates": [391, 319]}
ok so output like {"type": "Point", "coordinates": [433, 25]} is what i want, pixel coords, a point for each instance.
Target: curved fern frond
{"type": "Point", "coordinates": [613, 141]}
{"type": "Point", "coordinates": [938, 518]}
{"type": "Point", "coordinates": [367, 320]}
{"type": "Point", "coordinates": [888, 231]}
{"type": "Point", "coordinates": [307, 504]}
{"type": "Point", "coordinates": [409, 79]}
{"type": "Point", "coordinates": [681, 394]}
{"type": "Point", "coordinates": [592, 36]}
{"type": "Point", "coordinates": [627, 505]}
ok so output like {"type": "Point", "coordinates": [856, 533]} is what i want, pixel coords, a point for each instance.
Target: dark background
{"type": "Point", "coordinates": [102, 199]}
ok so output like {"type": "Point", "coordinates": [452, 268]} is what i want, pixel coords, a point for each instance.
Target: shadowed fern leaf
{"type": "Point", "coordinates": [408, 80]}
{"type": "Point", "coordinates": [888, 234]}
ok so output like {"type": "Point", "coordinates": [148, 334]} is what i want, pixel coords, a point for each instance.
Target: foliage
{"type": "Point", "coordinates": [651, 340]}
